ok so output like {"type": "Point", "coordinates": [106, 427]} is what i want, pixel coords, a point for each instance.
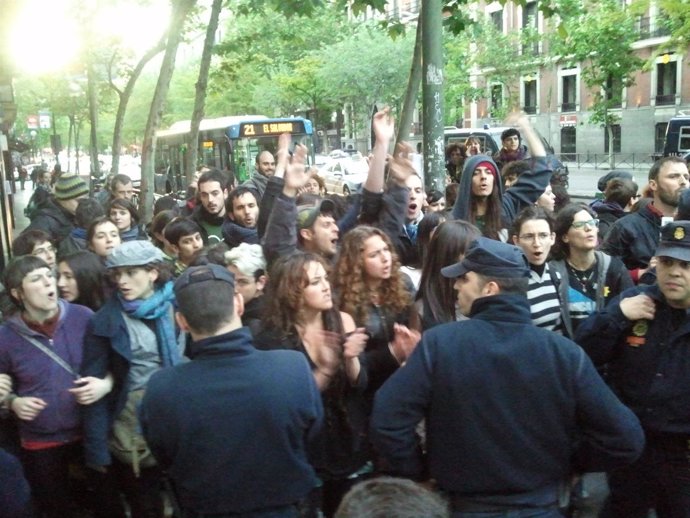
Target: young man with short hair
{"type": "Point", "coordinates": [242, 209]}
{"type": "Point", "coordinates": [184, 236]}
{"type": "Point", "coordinates": [264, 168]}
{"type": "Point", "coordinates": [310, 227]}
{"type": "Point", "coordinates": [238, 445]}
{"type": "Point", "coordinates": [210, 214]}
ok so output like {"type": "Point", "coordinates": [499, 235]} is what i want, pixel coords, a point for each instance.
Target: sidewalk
{"type": "Point", "coordinates": [20, 199]}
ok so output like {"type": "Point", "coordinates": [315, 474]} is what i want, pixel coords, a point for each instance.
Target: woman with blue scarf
{"type": "Point", "coordinates": [130, 337]}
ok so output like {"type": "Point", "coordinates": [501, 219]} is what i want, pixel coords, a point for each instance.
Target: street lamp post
{"type": "Point", "coordinates": [33, 134]}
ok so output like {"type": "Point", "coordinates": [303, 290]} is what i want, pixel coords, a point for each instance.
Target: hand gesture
{"type": "Point", "coordinates": [282, 154]}
{"type": "Point", "coordinates": [639, 307]}
{"type": "Point", "coordinates": [384, 126]}
{"type": "Point", "coordinates": [5, 386]}
{"type": "Point", "coordinates": [328, 353]}
{"type": "Point", "coordinates": [399, 165]}
{"type": "Point", "coordinates": [91, 389]}
{"type": "Point", "coordinates": [355, 343]}
{"type": "Point", "coordinates": [517, 119]}
{"type": "Point", "coordinates": [296, 174]}
{"type": "Point", "coordinates": [27, 408]}
{"type": "Point", "coordinates": [404, 342]}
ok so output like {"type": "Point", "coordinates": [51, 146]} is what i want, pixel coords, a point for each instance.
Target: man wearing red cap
{"type": "Point", "coordinates": [481, 199]}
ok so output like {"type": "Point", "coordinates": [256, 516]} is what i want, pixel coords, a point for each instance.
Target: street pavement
{"type": "Point", "coordinates": [583, 181]}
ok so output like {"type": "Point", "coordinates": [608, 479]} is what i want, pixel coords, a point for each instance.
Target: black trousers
{"type": "Point", "coordinates": [659, 480]}
{"type": "Point", "coordinates": [48, 473]}
{"type": "Point", "coordinates": [142, 493]}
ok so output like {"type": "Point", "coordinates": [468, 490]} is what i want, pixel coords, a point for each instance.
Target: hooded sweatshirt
{"type": "Point", "coordinates": [523, 193]}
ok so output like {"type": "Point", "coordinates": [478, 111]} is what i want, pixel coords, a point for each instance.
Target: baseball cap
{"type": "Point", "coordinates": [491, 258]}
{"type": "Point", "coordinates": [307, 214]}
{"type": "Point", "coordinates": [675, 241]}
{"type": "Point", "coordinates": [207, 272]}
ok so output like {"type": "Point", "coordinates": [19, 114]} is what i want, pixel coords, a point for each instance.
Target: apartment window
{"type": "Point", "coordinates": [530, 89]}
{"type": "Point", "coordinates": [497, 20]}
{"type": "Point", "coordinates": [496, 100]}
{"type": "Point", "coordinates": [568, 143]}
{"type": "Point", "coordinates": [616, 139]}
{"type": "Point", "coordinates": [614, 92]}
{"type": "Point", "coordinates": [529, 21]}
{"type": "Point", "coordinates": [666, 82]}
{"type": "Point", "coordinates": [569, 93]}
{"type": "Point", "coordinates": [659, 136]}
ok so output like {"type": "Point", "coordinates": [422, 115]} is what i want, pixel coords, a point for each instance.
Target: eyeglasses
{"type": "Point", "coordinates": [46, 250]}
{"type": "Point", "coordinates": [582, 224]}
{"type": "Point", "coordinates": [541, 237]}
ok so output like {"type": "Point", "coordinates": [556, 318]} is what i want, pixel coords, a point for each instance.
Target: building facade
{"type": "Point", "coordinates": [559, 103]}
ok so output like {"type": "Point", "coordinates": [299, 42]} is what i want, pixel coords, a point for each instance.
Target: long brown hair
{"type": "Point", "coordinates": [349, 280]}
{"type": "Point", "coordinates": [288, 278]}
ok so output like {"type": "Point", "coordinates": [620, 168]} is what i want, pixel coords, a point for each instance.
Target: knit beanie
{"type": "Point", "coordinates": [70, 187]}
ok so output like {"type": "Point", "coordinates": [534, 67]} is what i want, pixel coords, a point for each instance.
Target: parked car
{"type": "Point", "coordinates": [345, 175]}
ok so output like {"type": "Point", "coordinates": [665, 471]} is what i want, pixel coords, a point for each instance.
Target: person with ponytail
{"type": "Point", "coordinates": [131, 337]}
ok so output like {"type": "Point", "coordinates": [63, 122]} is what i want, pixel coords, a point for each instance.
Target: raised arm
{"type": "Point", "coordinates": [384, 130]}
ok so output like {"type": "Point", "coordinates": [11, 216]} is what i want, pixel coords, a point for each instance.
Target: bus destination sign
{"type": "Point", "coordinates": [259, 129]}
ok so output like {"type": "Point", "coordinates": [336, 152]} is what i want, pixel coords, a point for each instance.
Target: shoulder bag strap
{"type": "Point", "coordinates": [50, 353]}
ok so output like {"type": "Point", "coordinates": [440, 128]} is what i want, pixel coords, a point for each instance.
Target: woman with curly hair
{"type": "Point", "coordinates": [301, 316]}
{"type": "Point", "coordinates": [371, 287]}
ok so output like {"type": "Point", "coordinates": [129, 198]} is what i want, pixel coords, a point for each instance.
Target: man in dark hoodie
{"type": "Point", "coordinates": [56, 215]}
{"type": "Point", "coordinates": [242, 210]}
{"type": "Point", "coordinates": [481, 199]}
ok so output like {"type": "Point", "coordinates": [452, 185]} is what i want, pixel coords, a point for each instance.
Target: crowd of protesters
{"type": "Point", "coordinates": [272, 350]}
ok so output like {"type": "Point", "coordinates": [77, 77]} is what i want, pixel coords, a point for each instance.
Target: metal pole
{"type": "Point", "coordinates": [432, 95]}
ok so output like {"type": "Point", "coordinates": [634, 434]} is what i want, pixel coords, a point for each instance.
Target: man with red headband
{"type": "Point", "coordinates": [481, 199]}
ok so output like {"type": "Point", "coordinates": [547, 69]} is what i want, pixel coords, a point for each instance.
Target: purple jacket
{"type": "Point", "coordinates": [35, 374]}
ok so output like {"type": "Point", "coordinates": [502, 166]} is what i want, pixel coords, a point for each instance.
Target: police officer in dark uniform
{"type": "Point", "coordinates": [511, 409]}
{"type": "Point", "coordinates": [644, 336]}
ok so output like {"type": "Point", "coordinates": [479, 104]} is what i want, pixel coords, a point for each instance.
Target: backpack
{"type": "Point", "coordinates": [31, 208]}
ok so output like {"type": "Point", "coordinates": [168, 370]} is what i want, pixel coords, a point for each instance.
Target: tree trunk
{"type": "Point", "coordinates": [181, 9]}
{"type": "Point", "coordinates": [412, 91]}
{"type": "Point", "coordinates": [201, 84]}
{"type": "Point", "coordinates": [612, 159]}
{"type": "Point", "coordinates": [95, 169]}
{"type": "Point", "coordinates": [125, 96]}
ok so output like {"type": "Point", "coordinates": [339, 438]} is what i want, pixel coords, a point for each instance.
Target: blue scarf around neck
{"type": "Point", "coordinates": [157, 308]}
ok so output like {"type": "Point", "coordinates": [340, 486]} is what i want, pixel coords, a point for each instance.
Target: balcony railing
{"type": "Point", "coordinates": [568, 107]}
{"type": "Point", "coordinates": [665, 99]}
{"type": "Point", "coordinates": [651, 27]}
